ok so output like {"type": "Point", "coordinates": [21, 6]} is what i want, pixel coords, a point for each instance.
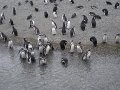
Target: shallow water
{"type": "Point", "coordinates": [101, 72]}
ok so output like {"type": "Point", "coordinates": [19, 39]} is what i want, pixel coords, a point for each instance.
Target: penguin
{"type": "Point", "coordinates": [108, 3]}
{"type": "Point", "coordinates": [3, 15]}
{"type": "Point", "coordinates": [47, 50]}
{"type": "Point", "coordinates": [92, 13]}
{"type": "Point", "coordinates": [54, 24]}
{"type": "Point", "coordinates": [85, 19]}
{"type": "Point", "coordinates": [41, 49]}
{"type": "Point", "coordinates": [5, 7]}
{"type": "Point", "coordinates": [46, 2]}
{"type": "Point", "coordinates": [26, 1]}
{"type": "Point", "coordinates": [46, 14]}
{"type": "Point", "coordinates": [32, 24]}
{"type": "Point", "coordinates": [63, 44]}
{"type": "Point", "coordinates": [64, 18]}
{"type": "Point", "coordinates": [63, 29]}
{"type": "Point", "coordinates": [14, 31]}
{"type": "Point", "coordinates": [31, 3]}
{"type": "Point", "coordinates": [105, 11]}
{"type": "Point", "coordinates": [55, 9]}
{"type": "Point", "coordinates": [93, 23]}
{"type": "Point", "coordinates": [79, 7]}
{"type": "Point", "coordinates": [1, 20]}
{"type": "Point", "coordinates": [45, 40]}
{"type": "Point", "coordinates": [30, 47]}
{"type": "Point", "coordinates": [11, 22]}
{"type": "Point", "coordinates": [87, 55]}
{"type": "Point", "coordinates": [31, 58]}
{"type": "Point", "coordinates": [73, 15]}
{"type": "Point", "coordinates": [39, 40]}
{"type": "Point", "coordinates": [3, 36]}
{"type": "Point", "coordinates": [53, 31]}
{"type": "Point", "coordinates": [23, 53]}
{"type": "Point", "coordinates": [64, 61]}
{"type": "Point", "coordinates": [25, 43]}
{"type": "Point", "coordinates": [55, 14]}
{"type": "Point", "coordinates": [93, 40]}
{"type": "Point", "coordinates": [117, 38]}
{"type": "Point", "coordinates": [79, 48]}
{"type": "Point", "coordinates": [14, 11]}
{"type": "Point", "coordinates": [83, 26]}
{"type": "Point", "coordinates": [97, 17]}
{"type": "Point", "coordinates": [94, 7]}
{"type": "Point", "coordinates": [29, 16]}
{"type": "Point", "coordinates": [72, 47]}
{"type": "Point", "coordinates": [71, 1]}
{"type": "Point", "coordinates": [10, 44]}
{"type": "Point", "coordinates": [104, 38]}
{"type": "Point", "coordinates": [68, 24]}
{"type": "Point", "coordinates": [117, 4]}
{"type": "Point", "coordinates": [19, 3]}
{"type": "Point", "coordinates": [72, 32]}
{"type": "Point", "coordinates": [42, 61]}
{"type": "Point", "coordinates": [37, 31]}
{"type": "Point", "coordinates": [36, 9]}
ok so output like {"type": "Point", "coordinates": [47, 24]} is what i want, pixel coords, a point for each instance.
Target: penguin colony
{"type": "Point", "coordinates": [43, 43]}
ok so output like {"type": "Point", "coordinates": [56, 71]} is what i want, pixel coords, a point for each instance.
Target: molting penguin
{"type": "Point", "coordinates": [10, 44]}
{"type": "Point", "coordinates": [63, 44]}
{"type": "Point", "coordinates": [117, 38]}
{"type": "Point", "coordinates": [14, 11]}
{"type": "Point", "coordinates": [72, 32]}
{"type": "Point", "coordinates": [72, 47]}
{"type": "Point", "coordinates": [46, 14]}
{"type": "Point", "coordinates": [93, 40]}
{"type": "Point", "coordinates": [105, 11]}
{"type": "Point", "coordinates": [64, 61]}
{"type": "Point", "coordinates": [3, 36]}
{"type": "Point", "coordinates": [93, 23]}
{"type": "Point", "coordinates": [63, 29]}
{"type": "Point", "coordinates": [79, 48]}
{"type": "Point", "coordinates": [83, 25]}
{"type": "Point", "coordinates": [104, 39]}
{"type": "Point", "coordinates": [14, 31]}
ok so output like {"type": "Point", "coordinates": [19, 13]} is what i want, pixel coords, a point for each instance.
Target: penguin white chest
{"type": "Point", "coordinates": [104, 39]}
{"type": "Point", "coordinates": [79, 49]}
{"type": "Point", "coordinates": [54, 31]}
{"type": "Point", "coordinates": [72, 48]}
{"type": "Point", "coordinates": [68, 25]}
